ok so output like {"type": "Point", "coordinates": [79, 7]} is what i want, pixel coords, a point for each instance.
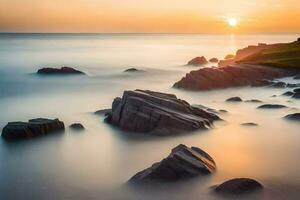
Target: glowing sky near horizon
{"type": "Point", "coordinates": [149, 16]}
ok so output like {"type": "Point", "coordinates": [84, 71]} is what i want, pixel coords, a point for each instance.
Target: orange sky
{"type": "Point", "coordinates": [149, 16]}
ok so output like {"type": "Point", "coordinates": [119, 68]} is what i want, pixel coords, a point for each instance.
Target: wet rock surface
{"type": "Point", "coordinates": [239, 186]}
{"type": "Point", "coordinates": [32, 128]}
{"type": "Point", "coordinates": [271, 106]}
{"type": "Point", "coordinates": [157, 113]}
{"type": "Point", "coordinates": [59, 71]}
{"type": "Point", "coordinates": [183, 162]}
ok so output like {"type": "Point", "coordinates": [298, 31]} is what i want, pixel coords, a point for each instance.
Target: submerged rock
{"type": "Point", "coordinates": [253, 101]}
{"type": "Point", "coordinates": [223, 111]}
{"type": "Point", "coordinates": [157, 113]}
{"type": "Point", "coordinates": [279, 85]}
{"type": "Point", "coordinates": [296, 95]}
{"type": "Point", "coordinates": [32, 128]}
{"type": "Point", "coordinates": [59, 71]}
{"type": "Point", "coordinates": [132, 70]}
{"type": "Point", "coordinates": [234, 99]}
{"type": "Point", "coordinates": [294, 117]}
{"type": "Point", "coordinates": [198, 61]}
{"type": "Point", "coordinates": [271, 106]}
{"type": "Point", "coordinates": [214, 60]}
{"type": "Point", "coordinates": [238, 186]}
{"type": "Point", "coordinates": [182, 163]}
{"type": "Point", "coordinates": [77, 126]}
{"type": "Point", "coordinates": [288, 93]}
{"type": "Point", "coordinates": [249, 124]}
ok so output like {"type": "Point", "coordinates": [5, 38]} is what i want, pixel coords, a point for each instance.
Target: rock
{"type": "Point", "coordinates": [182, 163]}
{"type": "Point", "coordinates": [32, 128]}
{"type": "Point", "coordinates": [102, 111]}
{"type": "Point", "coordinates": [234, 99]}
{"type": "Point", "coordinates": [77, 126]}
{"type": "Point", "coordinates": [271, 106]}
{"type": "Point", "coordinates": [297, 90]}
{"type": "Point", "coordinates": [288, 93]}
{"type": "Point", "coordinates": [238, 186]}
{"type": "Point", "coordinates": [279, 85]}
{"type": "Point", "coordinates": [253, 101]}
{"type": "Point", "coordinates": [229, 56]}
{"type": "Point", "coordinates": [198, 61]}
{"type": "Point", "coordinates": [231, 76]}
{"type": "Point", "coordinates": [274, 95]}
{"type": "Point", "coordinates": [223, 111]}
{"type": "Point", "coordinates": [294, 117]}
{"type": "Point", "coordinates": [132, 70]}
{"type": "Point", "coordinates": [296, 95]}
{"type": "Point", "coordinates": [249, 124]}
{"type": "Point", "coordinates": [296, 77]}
{"type": "Point", "coordinates": [59, 71]}
{"type": "Point", "coordinates": [214, 60]}
{"type": "Point", "coordinates": [157, 113]}
{"type": "Point", "coordinates": [293, 85]}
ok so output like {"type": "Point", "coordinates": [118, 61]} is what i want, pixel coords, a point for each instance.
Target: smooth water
{"type": "Point", "coordinates": [96, 163]}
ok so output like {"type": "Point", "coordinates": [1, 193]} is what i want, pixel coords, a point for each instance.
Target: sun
{"type": "Point", "coordinates": [232, 22]}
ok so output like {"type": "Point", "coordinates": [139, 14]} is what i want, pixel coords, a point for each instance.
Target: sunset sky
{"type": "Point", "coordinates": [181, 16]}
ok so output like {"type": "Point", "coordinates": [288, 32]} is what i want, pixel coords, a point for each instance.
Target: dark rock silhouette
{"type": "Point", "coordinates": [294, 117]}
{"type": "Point", "coordinates": [59, 71]}
{"type": "Point", "coordinates": [214, 60]}
{"type": "Point", "coordinates": [77, 126]}
{"type": "Point", "coordinates": [271, 106]}
{"type": "Point", "coordinates": [198, 61]}
{"type": "Point", "coordinates": [102, 111]}
{"type": "Point", "coordinates": [183, 162]}
{"type": "Point", "coordinates": [157, 113]}
{"type": "Point", "coordinates": [238, 186]}
{"type": "Point", "coordinates": [288, 93]}
{"type": "Point", "coordinates": [234, 99]}
{"type": "Point", "coordinates": [253, 101]}
{"type": "Point", "coordinates": [249, 124]}
{"type": "Point", "coordinates": [279, 85]}
{"type": "Point", "coordinates": [296, 95]}
{"type": "Point", "coordinates": [132, 70]}
{"type": "Point", "coordinates": [32, 128]}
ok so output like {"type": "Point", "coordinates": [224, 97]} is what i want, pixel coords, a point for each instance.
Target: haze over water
{"type": "Point", "coordinates": [96, 163]}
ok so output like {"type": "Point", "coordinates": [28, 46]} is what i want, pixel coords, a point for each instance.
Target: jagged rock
{"type": "Point", "coordinates": [157, 113]}
{"type": "Point", "coordinates": [59, 71]}
{"type": "Point", "coordinates": [288, 93]}
{"type": "Point", "coordinates": [77, 126]}
{"type": "Point", "coordinates": [254, 101]}
{"type": "Point", "coordinates": [132, 70]}
{"type": "Point", "coordinates": [214, 60]}
{"type": "Point", "coordinates": [198, 61]}
{"type": "Point", "coordinates": [271, 106]}
{"type": "Point", "coordinates": [249, 124]}
{"type": "Point", "coordinates": [234, 99]}
{"type": "Point", "coordinates": [231, 76]}
{"type": "Point", "coordinates": [238, 186]}
{"type": "Point", "coordinates": [294, 117]}
{"type": "Point", "coordinates": [182, 163]}
{"type": "Point", "coordinates": [32, 128]}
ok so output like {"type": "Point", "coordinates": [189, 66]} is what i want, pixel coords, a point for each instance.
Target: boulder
{"type": "Point", "coordinates": [198, 61]}
{"type": "Point", "coordinates": [157, 113]}
{"type": "Point", "coordinates": [77, 126]}
{"type": "Point", "coordinates": [249, 124]}
{"type": "Point", "coordinates": [293, 117]}
{"type": "Point", "coordinates": [271, 106]}
{"type": "Point", "coordinates": [32, 128]}
{"type": "Point", "coordinates": [238, 186]}
{"type": "Point", "coordinates": [214, 60]}
{"type": "Point", "coordinates": [234, 99]}
{"type": "Point", "coordinates": [59, 71]}
{"type": "Point", "coordinates": [231, 76]}
{"type": "Point", "coordinates": [182, 163]}
{"type": "Point", "coordinates": [288, 93]}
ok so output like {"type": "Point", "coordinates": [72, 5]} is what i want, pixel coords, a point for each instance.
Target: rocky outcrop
{"type": "Point", "coordinates": [198, 61]}
{"type": "Point", "coordinates": [214, 60]}
{"type": "Point", "coordinates": [182, 163]}
{"type": "Point", "coordinates": [293, 117]}
{"type": "Point", "coordinates": [77, 126]}
{"type": "Point", "coordinates": [32, 128]}
{"type": "Point", "coordinates": [231, 76]}
{"type": "Point", "coordinates": [59, 71]}
{"type": "Point", "coordinates": [234, 99]}
{"type": "Point", "coordinates": [238, 186]}
{"type": "Point", "coordinates": [157, 113]}
{"type": "Point", "coordinates": [271, 106]}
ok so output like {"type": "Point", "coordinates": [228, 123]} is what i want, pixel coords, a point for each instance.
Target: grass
{"type": "Point", "coordinates": [279, 55]}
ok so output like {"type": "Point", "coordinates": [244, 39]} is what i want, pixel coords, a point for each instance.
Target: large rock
{"type": "Point", "coordinates": [293, 117]}
{"type": "Point", "coordinates": [59, 71]}
{"type": "Point", "coordinates": [182, 163]}
{"type": "Point", "coordinates": [157, 113]}
{"type": "Point", "coordinates": [198, 61]}
{"type": "Point", "coordinates": [32, 128]}
{"type": "Point", "coordinates": [231, 76]}
{"type": "Point", "coordinates": [238, 186]}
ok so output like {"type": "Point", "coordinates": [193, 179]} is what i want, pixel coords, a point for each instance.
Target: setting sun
{"type": "Point", "coordinates": [232, 22]}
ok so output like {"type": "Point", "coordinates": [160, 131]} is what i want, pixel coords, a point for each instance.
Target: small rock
{"type": "Point", "coordinates": [271, 106]}
{"type": "Point", "coordinates": [77, 126]}
{"type": "Point", "coordinates": [296, 95]}
{"type": "Point", "coordinates": [278, 85]}
{"type": "Point", "coordinates": [132, 70]}
{"type": "Point", "coordinates": [249, 124]}
{"type": "Point", "coordinates": [223, 111]}
{"type": "Point", "coordinates": [238, 186]}
{"type": "Point", "coordinates": [234, 99]}
{"type": "Point", "coordinates": [198, 61]}
{"type": "Point", "coordinates": [294, 117]}
{"type": "Point", "coordinates": [103, 111]}
{"type": "Point", "coordinates": [288, 93]}
{"type": "Point", "coordinates": [214, 60]}
{"type": "Point", "coordinates": [59, 71]}
{"type": "Point", "coordinates": [254, 101]}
